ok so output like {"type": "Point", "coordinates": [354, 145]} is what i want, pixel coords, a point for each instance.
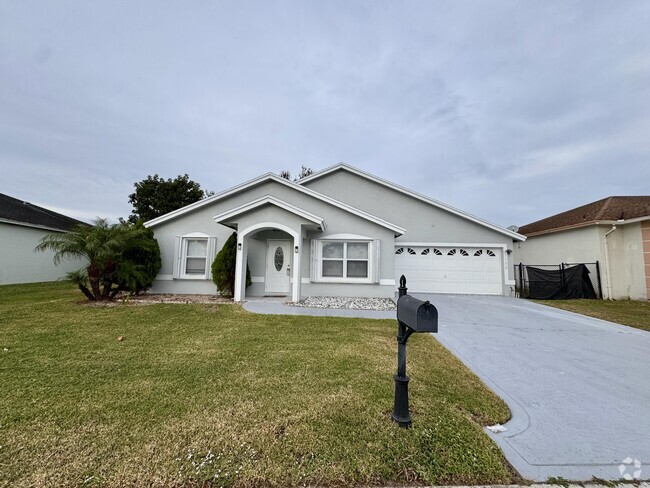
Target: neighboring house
{"type": "Point", "coordinates": [338, 232]}
{"type": "Point", "coordinates": [614, 231]}
{"type": "Point", "coordinates": [22, 226]}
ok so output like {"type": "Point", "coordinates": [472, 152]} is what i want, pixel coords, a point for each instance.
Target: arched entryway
{"type": "Point", "coordinates": [282, 257]}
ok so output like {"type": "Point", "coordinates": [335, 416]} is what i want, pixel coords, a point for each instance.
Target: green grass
{"type": "Point", "coordinates": [276, 400]}
{"type": "Point", "coordinates": [627, 312]}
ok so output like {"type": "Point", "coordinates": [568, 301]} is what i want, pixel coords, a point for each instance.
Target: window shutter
{"type": "Point", "coordinates": [313, 260]}
{"type": "Point", "coordinates": [176, 273]}
{"type": "Point", "coordinates": [212, 251]}
{"type": "Point", "coordinates": [376, 264]}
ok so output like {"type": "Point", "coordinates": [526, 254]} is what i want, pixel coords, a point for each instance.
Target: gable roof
{"type": "Point", "coordinates": [607, 210]}
{"type": "Point", "coordinates": [273, 177]}
{"type": "Point", "coordinates": [270, 200]}
{"type": "Point", "coordinates": [15, 211]}
{"type": "Point", "coordinates": [416, 195]}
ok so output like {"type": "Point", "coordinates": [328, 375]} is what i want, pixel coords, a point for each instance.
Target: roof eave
{"type": "Point", "coordinates": [273, 177]}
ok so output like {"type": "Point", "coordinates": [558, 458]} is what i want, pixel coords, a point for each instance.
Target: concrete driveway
{"type": "Point", "coordinates": [578, 388]}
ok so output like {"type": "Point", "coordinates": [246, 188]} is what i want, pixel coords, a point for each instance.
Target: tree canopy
{"type": "Point", "coordinates": [155, 196]}
{"type": "Point", "coordinates": [304, 173]}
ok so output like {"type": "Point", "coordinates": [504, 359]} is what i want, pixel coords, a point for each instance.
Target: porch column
{"type": "Point", "coordinates": [295, 289]}
{"type": "Point", "coordinates": [240, 269]}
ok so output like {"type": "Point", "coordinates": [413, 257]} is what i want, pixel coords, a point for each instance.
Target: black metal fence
{"type": "Point", "coordinates": [558, 281]}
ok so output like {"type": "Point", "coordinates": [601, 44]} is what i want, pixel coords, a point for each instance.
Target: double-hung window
{"type": "Point", "coordinates": [193, 255]}
{"type": "Point", "coordinates": [345, 261]}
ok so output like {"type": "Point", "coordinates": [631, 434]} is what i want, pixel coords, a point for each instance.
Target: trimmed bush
{"type": "Point", "coordinates": [224, 265]}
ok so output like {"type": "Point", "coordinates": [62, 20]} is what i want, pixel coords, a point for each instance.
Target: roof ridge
{"type": "Point", "coordinates": [604, 208]}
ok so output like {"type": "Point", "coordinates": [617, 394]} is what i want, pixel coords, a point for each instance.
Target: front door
{"type": "Point", "coordinates": [278, 267]}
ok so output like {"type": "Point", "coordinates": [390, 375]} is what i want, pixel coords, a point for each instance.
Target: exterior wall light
{"type": "Point", "coordinates": [239, 246]}
{"type": "Point", "coordinates": [296, 249]}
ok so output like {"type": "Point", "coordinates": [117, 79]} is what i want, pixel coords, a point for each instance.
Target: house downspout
{"type": "Point", "coordinates": [609, 279]}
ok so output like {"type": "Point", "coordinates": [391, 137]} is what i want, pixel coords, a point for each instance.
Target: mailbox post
{"type": "Point", "coordinates": [413, 315]}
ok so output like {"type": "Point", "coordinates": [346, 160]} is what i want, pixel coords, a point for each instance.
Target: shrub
{"type": "Point", "coordinates": [224, 266]}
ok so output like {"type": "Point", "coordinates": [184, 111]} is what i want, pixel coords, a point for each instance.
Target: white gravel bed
{"type": "Point", "coordinates": [352, 303]}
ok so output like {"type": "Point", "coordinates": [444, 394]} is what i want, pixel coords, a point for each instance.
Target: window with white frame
{"type": "Point", "coordinates": [195, 257]}
{"type": "Point", "coordinates": [344, 261]}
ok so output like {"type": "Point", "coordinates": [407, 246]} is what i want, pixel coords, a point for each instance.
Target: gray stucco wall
{"type": "Point", "coordinates": [337, 220]}
{"type": "Point", "coordinates": [20, 264]}
{"type": "Point", "coordinates": [423, 222]}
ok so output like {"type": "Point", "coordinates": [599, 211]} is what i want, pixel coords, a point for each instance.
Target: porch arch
{"type": "Point", "coordinates": [242, 255]}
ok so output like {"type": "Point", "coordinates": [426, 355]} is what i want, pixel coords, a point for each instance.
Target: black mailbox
{"type": "Point", "coordinates": [416, 314]}
{"type": "Point", "coordinates": [413, 315]}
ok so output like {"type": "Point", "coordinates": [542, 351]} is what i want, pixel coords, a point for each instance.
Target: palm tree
{"type": "Point", "coordinates": [101, 245]}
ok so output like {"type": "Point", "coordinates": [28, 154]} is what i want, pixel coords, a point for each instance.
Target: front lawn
{"type": "Point", "coordinates": [627, 312]}
{"type": "Point", "coordinates": [212, 392]}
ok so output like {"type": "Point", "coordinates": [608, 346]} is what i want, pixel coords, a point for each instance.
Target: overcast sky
{"type": "Point", "coordinates": [511, 111]}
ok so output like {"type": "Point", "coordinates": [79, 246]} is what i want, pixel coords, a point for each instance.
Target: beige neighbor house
{"type": "Point", "coordinates": [614, 231]}
{"type": "Point", "coordinates": [22, 226]}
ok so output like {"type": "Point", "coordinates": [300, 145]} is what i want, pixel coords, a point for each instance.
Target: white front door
{"type": "Point", "coordinates": [278, 267]}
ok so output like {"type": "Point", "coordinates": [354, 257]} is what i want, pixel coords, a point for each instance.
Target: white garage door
{"type": "Point", "coordinates": [469, 270]}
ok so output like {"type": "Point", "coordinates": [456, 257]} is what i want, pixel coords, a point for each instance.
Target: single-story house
{"type": "Point", "coordinates": [22, 226]}
{"type": "Point", "coordinates": [614, 231]}
{"type": "Point", "coordinates": [338, 232]}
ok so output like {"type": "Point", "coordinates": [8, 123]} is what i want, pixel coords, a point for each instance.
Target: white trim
{"type": "Point", "coordinates": [257, 279]}
{"type": "Point", "coordinates": [195, 236]}
{"type": "Point", "coordinates": [587, 224]}
{"type": "Point", "coordinates": [413, 194]}
{"type": "Point", "coordinates": [239, 266]}
{"type": "Point", "coordinates": [387, 282]}
{"type": "Point", "coordinates": [450, 244]}
{"type": "Point", "coordinates": [35, 226]}
{"type": "Point", "coordinates": [268, 199]}
{"type": "Point", "coordinates": [345, 237]}
{"type": "Point", "coordinates": [272, 177]}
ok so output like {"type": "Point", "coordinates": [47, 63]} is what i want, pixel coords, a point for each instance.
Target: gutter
{"type": "Point", "coordinates": [609, 279]}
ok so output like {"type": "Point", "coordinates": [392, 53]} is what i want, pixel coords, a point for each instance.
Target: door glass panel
{"type": "Point", "coordinates": [357, 269]}
{"type": "Point", "coordinates": [278, 258]}
{"type": "Point", "coordinates": [333, 269]}
{"type": "Point", "coordinates": [358, 250]}
{"type": "Point", "coordinates": [333, 250]}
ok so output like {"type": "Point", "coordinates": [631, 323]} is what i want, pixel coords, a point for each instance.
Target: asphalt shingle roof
{"type": "Point", "coordinates": [19, 211]}
{"type": "Point", "coordinates": [610, 208]}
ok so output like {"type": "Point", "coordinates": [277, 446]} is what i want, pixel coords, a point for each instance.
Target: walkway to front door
{"type": "Point", "coordinates": [278, 267]}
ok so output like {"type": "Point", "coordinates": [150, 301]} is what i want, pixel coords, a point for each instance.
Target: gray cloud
{"type": "Point", "coordinates": [509, 110]}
